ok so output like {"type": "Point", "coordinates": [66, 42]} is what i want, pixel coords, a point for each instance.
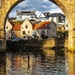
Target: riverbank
{"type": "Point", "coordinates": [46, 43]}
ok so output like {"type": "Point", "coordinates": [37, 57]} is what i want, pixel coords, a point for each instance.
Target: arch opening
{"type": "Point", "coordinates": [61, 7]}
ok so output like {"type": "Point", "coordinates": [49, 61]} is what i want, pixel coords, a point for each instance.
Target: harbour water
{"type": "Point", "coordinates": [34, 62]}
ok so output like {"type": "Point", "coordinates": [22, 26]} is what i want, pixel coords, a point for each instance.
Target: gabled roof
{"type": "Point", "coordinates": [56, 14]}
{"type": "Point", "coordinates": [46, 14]}
{"type": "Point", "coordinates": [16, 27]}
{"type": "Point", "coordinates": [35, 26]}
{"type": "Point", "coordinates": [41, 25]}
{"type": "Point", "coordinates": [11, 22]}
{"type": "Point", "coordinates": [44, 25]}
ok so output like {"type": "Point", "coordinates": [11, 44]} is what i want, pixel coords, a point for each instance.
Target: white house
{"type": "Point", "coordinates": [47, 29]}
{"type": "Point", "coordinates": [58, 18]}
{"type": "Point", "coordinates": [8, 28]}
{"type": "Point", "coordinates": [44, 16]}
{"type": "Point", "coordinates": [22, 15]}
{"type": "Point", "coordinates": [26, 29]}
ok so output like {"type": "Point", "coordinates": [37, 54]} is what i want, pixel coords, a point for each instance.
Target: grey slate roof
{"type": "Point", "coordinates": [56, 14]}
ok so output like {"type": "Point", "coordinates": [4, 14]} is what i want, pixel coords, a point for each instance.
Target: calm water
{"type": "Point", "coordinates": [34, 62]}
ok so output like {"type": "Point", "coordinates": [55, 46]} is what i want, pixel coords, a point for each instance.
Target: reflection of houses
{"type": "Point", "coordinates": [8, 28]}
{"type": "Point", "coordinates": [46, 29]}
{"type": "Point", "coordinates": [21, 15]}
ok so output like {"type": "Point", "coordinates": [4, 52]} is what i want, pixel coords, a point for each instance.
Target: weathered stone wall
{"type": "Point", "coordinates": [68, 7]}
{"type": "Point", "coordinates": [6, 6]}
{"type": "Point", "coordinates": [55, 43]}
{"type": "Point", "coordinates": [47, 43]}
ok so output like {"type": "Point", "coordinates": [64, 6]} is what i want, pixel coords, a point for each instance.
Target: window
{"type": "Point", "coordinates": [48, 27]}
{"type": "Point", "coordinates": [53, 30]}
{"type": "Point", "coordinates": [23, 32]}
{"type": "Point", "coordinates": [9, 37]}
{"type": "Point", "coordinates": [43, 31]}
{"type": "Point", "coordinates": [66, 25]}
{"type": "Point", "coordinates": [60, 19]}
{"type": "Point", "coordinates": [53, 36]}
{"type": "Point", "coordinates": [26, 26]}
{"type": "Point", "coordinates": [28, 31]}
{"type": "Point", "coordinates": [12, 32]}
{"type": "Point", "coordinates": [24, 37]}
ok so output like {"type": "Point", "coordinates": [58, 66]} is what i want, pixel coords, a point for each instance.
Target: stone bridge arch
{"type": "Point", "coordinates": [67, 6]}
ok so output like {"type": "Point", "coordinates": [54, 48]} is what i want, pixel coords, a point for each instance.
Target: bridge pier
{"type": "Point", "coordinates": [71, 37]}
{"type": "Point", "coordinates": [70, 63]}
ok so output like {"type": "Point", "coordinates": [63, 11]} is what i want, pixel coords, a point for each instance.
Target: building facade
{"type": "Point", "coordinates": [8, 29]}
{"type": "Point", "coordinates": [26, 29]}
{"type": "Point", "coordinates": [16, 31]}
{"type": "Point", "coordinates": [22, 15]}
{"type": "Point", "coordinates": [46, 29]}
{"type": "Point", "coordinates": [58, 18]}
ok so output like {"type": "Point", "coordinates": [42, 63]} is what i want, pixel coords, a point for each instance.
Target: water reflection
{"type": "Point", "coordinates": [35, 62]}
{"type": "Point", "coordinates": [2, 63]}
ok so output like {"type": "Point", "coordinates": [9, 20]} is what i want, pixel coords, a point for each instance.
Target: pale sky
{"type": "Point", "coordinates": [36, 5]}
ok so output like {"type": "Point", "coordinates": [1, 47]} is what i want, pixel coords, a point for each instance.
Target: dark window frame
{"type": "Point", "coordinates": [23, 32]}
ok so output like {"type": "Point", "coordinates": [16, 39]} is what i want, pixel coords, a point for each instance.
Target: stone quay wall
{"type": "Point", "coordinates": [47, 43]}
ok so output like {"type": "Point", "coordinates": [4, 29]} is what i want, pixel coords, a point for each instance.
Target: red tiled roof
{"type": "Point", "coordinates": [16, 27]}
{"type": "Point", "coordinates": [35, 26]}
{"type": "Point", "coordinates": [43, 25]}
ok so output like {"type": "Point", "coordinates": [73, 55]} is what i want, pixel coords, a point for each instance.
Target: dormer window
{"type": "Point", "coordinates": [26, 26]}
{"type": "Point", "coordinates": [48, 27]}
